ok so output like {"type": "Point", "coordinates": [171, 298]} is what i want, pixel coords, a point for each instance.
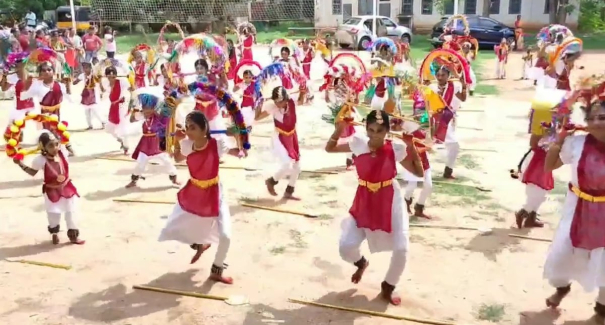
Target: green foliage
{"type": "Point", "coordinates": [441, 4]}
{"type": "Point", "coordinates": [21, 7]}
{"type": "Point", "coordinates": [592, 16]}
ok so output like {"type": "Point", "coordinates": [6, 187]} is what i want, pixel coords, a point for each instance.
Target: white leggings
{"type": "Point", "coordinates": [427, 188]}
{"type": "Point", "coordinates": [54, 219]}
{"type": "Point", "coordinates": [288, 168]}
{"type": "Point", "coordinates": [352, 254]}
{"type": "Point", "coordinates": [534, 197]}
{"type": "Point", "coordinates": [560, 283]}
{"type": "Point", "coordinates": [452, 150]}
{"type": "Point", "coordinates": [90, 111]}
{"type": "Point", "coordinates": [164, 160]}
{"type": "Point", "coordinates": [224, 241]}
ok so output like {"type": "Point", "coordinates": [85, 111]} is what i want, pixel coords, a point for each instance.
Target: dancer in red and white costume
{"type": "Point", "coordinates": [378, 213]}
{"type": "Point", "coordinates": [245, 44]}
{"type": "Point", "coordinates": [293, 72]}
{"type": "Point", "coordinates": [18, 80]}
{"type": "Point", "coordinates": [117, 120]}
{"type": "Point", "coordinates": [91, 94]}
{"type": "Point", "coordinates": [308, 56]}
{"type": "Point", "coordinates": [413, 129]}
{"type": "Point", "coordinates": [60, 194]}
{"type": "Point", "coordinates": [201, 217]}
{"type": "Point", "coordinates": [452, 93]}
{"type": "Point", "coordinates": [49, 92]}
{"type": "Point", "coordinates": [285, 140]}
{"type": "Point", "coordinates": [244, 75]}
{"type": "Point", "coordinates": [501, 59]}
{"type": "Point", "coordinates": [577, 252]}
{"type": "Point", "coordinates": [142, 73]}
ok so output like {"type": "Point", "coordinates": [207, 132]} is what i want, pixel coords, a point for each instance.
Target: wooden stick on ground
{"type": "Point", "coordinates": [370, 312]}
{"type": "Point", "coordinates": [484, 230]}
{"type": "Point", "coordinates": [530, 238]}
{"type": "Point", "coordinates": [151, 201]}
{"type": "Point", "coordinates": [180, 293]}
{"type": "Point", "coordinates": [54, 266]}
{"type": "Point", "coordinates": [483, 189]}
{"type": "Point", "coordinates": [478, 150]}
{"type": "Point", "coordinates": [468, 128]}
{"type": "Point", "coordinates": [254, 206]}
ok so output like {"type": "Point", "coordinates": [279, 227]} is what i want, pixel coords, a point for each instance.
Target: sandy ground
{"type": "Point", "coordinates": [452, 275]}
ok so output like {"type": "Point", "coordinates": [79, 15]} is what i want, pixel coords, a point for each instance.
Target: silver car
{"type": "Point", "coordinates": [356, 31]}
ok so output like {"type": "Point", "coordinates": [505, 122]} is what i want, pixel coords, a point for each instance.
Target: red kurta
{"type": "Point", "coordinates": [207, 105]}
{"type": "Point", "coordinates": [150, 142]}
{"type": "Point", "coordinates": [54, 189]}
{"type": "Point", "coordinates": [247, 48]}
{"type": "Point", "coordinates": [424, 157]}
{"type": "Point", "coordinates": [248, 98]}
{"type": "Point", "coordinates": [286, 79]}
{"type": "Point", "coordinates": [588, 225]}
{"type": "Point", "coordinates": [51, 103]}
{"type": "Point", "coordinates": [139, 75]}
{"type": "Point", "coordinates": [287, 131]}
{"type": "Point", "coordinates": [535, 173]}
{"type": "Point", "coordinates": [116, 98]}
{"type": "Point", "coordinates": [563, 80]}
{"type": "Point", "coordinates": [306, 62]}
{"type": "Point", "coordinates": [442, 119]}
{"type": "Point", "coordinates": [202, 165]}
{"type": "Point", "coordinates": [89, 91]}
{"type": "Point", "coordinates": [22, 104]}
{"type": "Point", "coordinates": [232, 65]}
{"type": "Point", "coordinates": [381, 88]}
{"type": "Point", "coordinates": [373, 210]}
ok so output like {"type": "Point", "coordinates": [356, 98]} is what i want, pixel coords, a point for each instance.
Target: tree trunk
{"type": "Point", "coordinates": [562, 12]}
{"type": "Point", "coordinates": [552, 12]}
{"type": "Point", "coordinates": [486, 6]}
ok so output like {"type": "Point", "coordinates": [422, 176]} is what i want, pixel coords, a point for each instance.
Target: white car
{"type": "Point", "coordinates": [356, 31]}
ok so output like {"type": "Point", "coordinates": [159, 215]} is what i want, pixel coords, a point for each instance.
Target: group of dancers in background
{"type": "Point", "coordinates": [201, 138]}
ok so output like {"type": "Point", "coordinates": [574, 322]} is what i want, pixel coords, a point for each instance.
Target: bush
{"type": "Point", "coordinates": [592, 16]}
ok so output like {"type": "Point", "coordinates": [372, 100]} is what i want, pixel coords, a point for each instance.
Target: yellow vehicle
{"type": "Point", "coordinates": [82, 14]}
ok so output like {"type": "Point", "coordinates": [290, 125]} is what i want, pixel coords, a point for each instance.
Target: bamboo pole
{"type": "Point", "coordinates": [530, 238]}
{"type": "Point", "coordinates": [483, 230]}
{"type": "Point", "coordinates": [180, 293]}
{"type": "Point", "coordinates": [483, 189]}
{"type": "Point", "coordinates": [54, 266]}
{"type": "Point", "coordinates": [370, 312]}
{"type": "Point", "coordinates": [158, 201]}
{"type": "Point", "coordinates": [261, 207]}
{"type": "Point", "coordinates": [468, 128]}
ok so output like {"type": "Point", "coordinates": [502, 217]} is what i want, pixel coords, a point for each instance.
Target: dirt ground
{"type": "Point", "coordinates": [457, 276]}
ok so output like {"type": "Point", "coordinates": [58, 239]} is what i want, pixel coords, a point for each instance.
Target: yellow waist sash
{"type": "Point", "coordinates": [204, 183]}
{"type": "Point", "coordinates": [203, 103]}
{"type": "Point", "coordinates": [585, 196]}
{"type": "Point", "coordinates": [286, 133]}
{"type": "Point", "coordinates": [374, 187]}
{"type": "Point", "coordinates": [50, 109]}
{"type": "Point", "coordinates": [149, 134]}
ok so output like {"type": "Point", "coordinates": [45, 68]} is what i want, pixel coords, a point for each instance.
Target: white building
{"type": "Point", "coordinates": [534, 13]}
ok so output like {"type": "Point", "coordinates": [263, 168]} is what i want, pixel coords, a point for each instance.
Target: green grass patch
{"type": "Point", "coordinates": [491, 313]}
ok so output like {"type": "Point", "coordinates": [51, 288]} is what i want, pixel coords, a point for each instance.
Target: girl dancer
{"type": "Point", "coordinates": [469, 55]}
{"type": "Point", "coordinates": [201, 217]}
{"type": "Point", "coordinates": [246, 41]}
{"type": "Point", "coordinates": [285, 140]}
{"type": "Point", "coordinates": [60, 194]}
{"type": "Point", "coordinates": [141, 73]}
{"type": "Point", "coordinates": [247, 86]}
{"type": "Point", "coordinates": [293, 67]}
{"type": "Point", "coordinates": [149, 145]}
{"type": "Point", "coordinates": [18, 80]}
{"type": "Point", "coordinates": [377, 213]}
{"type": "Point", "coordinates": [501, 59]}
{"type": "Point", "coordinates": [232, 60]}
{"type": "Point", "coordinates": [562, 69]}
{"type": "Point", "coordinates": [577, 250]}
{"type": "Point", "coordinates": [309, 55]}
{"type": "Point", "coordinates": [117, 123]}
{"type": "Point", "coordinates": [47, 90]}
{"type": "Point", "coordinates": [91, 94]}
{"type": "Point", "coordinates": [413, 129]}
{"type": "Point", "coordinates": [452, 94]}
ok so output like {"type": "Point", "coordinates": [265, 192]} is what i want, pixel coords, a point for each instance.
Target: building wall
{"type": "Point", "coordinates": [532, 12]}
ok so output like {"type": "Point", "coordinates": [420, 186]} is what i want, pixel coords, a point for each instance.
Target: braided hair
{"type": "Point", "coordinates": [199, 119]}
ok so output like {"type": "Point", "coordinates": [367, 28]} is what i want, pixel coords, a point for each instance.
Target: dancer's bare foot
{"type": "Point", "coordinates": [388, 293]}
{"type": "Point", "coordinates": [289, 194]}
{"type": "Point", "coordinates": [270, 183]}
{"type": "Point", "coordinates": [200, 249]}
{"type": "Point", "coordinates": [216, 274]}
{"type": "Point", "coordinates": [555, 300]}
{"type": "Point", "coordinates": [73, 235]}
{"type": "Point", "coordinates": [362, 265]}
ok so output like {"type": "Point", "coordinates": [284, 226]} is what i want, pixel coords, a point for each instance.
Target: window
{"type": "Point", "coordinates": [352, 21]}
{"type": "Point", "coordinates": [546, 6]}
{"type": "Point", "coordinates": [384, 9]}
{"type": "Point", "coordinates": [448, 7]}
{"type": "Point", "coordinates": [494, 7]}
{"type": "Point", "coordinates": [427, 7]}
{"type": "Point", "coordinates": [387, 22]}
{"type": "Point", "coordinates": [487, 23]}
{"type": "Point", "coordinates": [514, 7]}
{"type": "Point", "coordinates": [407, 7]}
{"type": "Point", "coordinates": [336, 7]}
{"type": "Point", "coordinates": [347, 10]}
{"type": "Point", "coordinates": [470, 7]}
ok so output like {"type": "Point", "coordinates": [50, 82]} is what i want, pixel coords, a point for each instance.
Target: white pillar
{"type": "Point", "coordinates": [455, 7]}
{"type": "Point", "coordinates": [375, 11]}
{"type": "Point", "coordinates": [73, 14]}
